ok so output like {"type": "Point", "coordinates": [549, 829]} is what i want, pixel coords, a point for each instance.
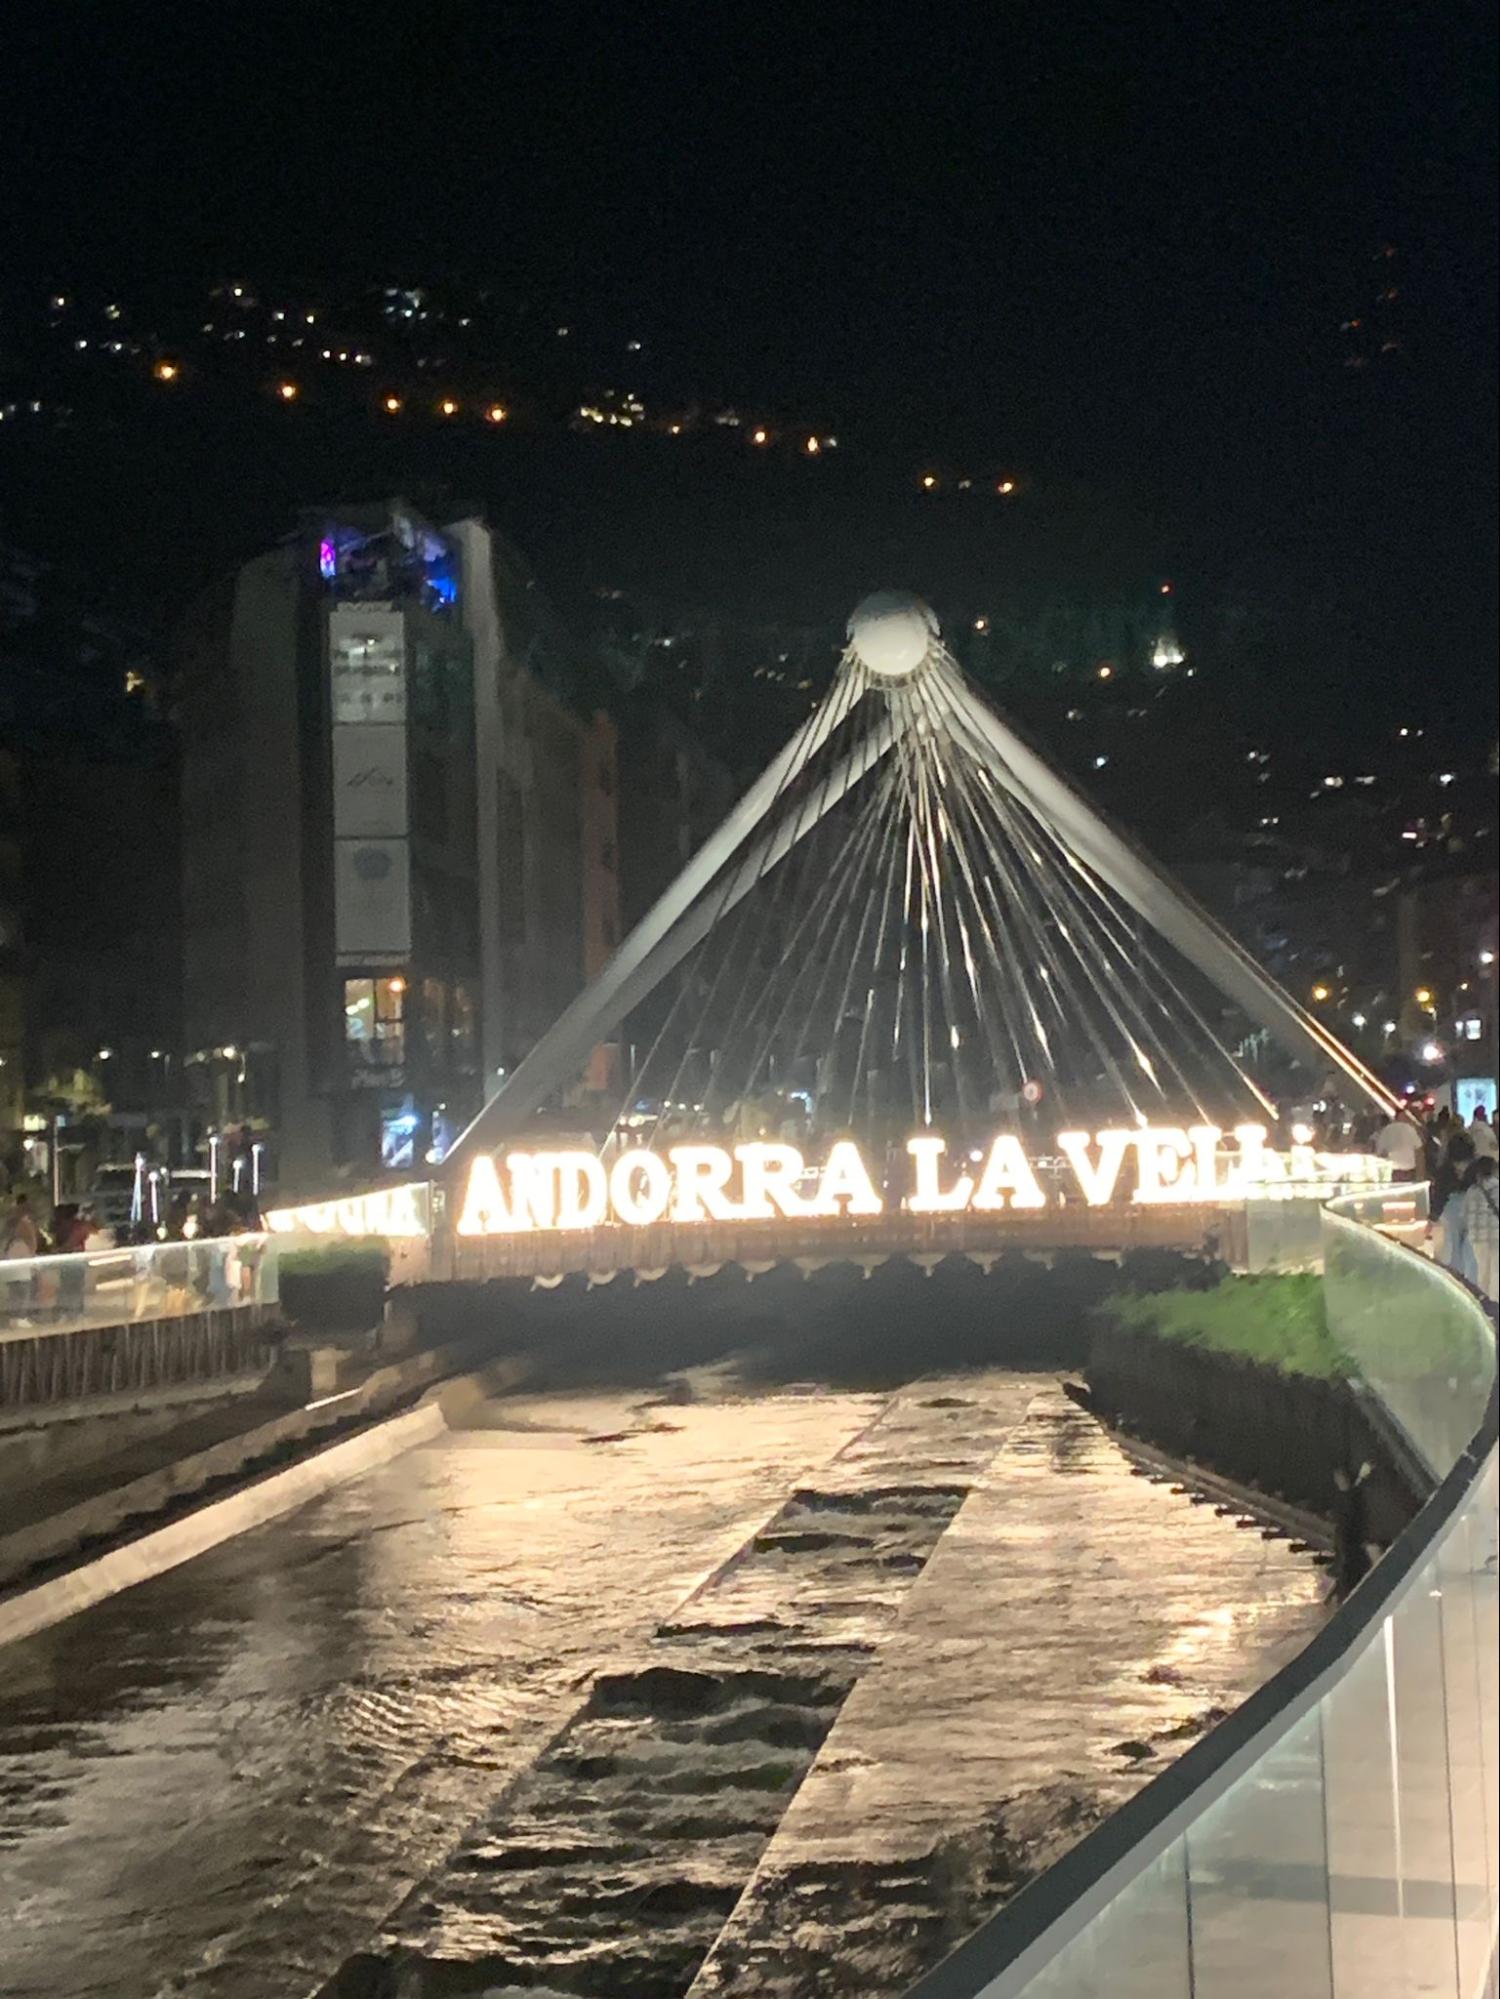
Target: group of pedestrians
{"type": "Point", "coordinates": [1461, 1164]}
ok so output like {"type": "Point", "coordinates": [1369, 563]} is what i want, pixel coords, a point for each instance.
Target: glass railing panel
{"type": "Point", "coordinates": [1466, 1579]}
{"type": "Point", "coordinates": [1414, 1336]}
{"type": "Point", "coordinates": [1258, 1879]}
{"type": "Point", "coordinates": [110, 1287]}
{"type": "Point", "coordinates": [1362, 1834]}
{"type": "Point", "coordinates": [1135, 1948]}
{"type": "Point", "coordinates": [1418, 1730]}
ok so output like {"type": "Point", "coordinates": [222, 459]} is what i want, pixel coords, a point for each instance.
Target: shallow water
{"type": "Point", "coordinates": [219, 1782]}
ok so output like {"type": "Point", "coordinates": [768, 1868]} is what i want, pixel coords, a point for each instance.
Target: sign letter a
{"type": "Point", "coordinates": [484, 1210]}
{"type": "Point", "coordinates": [1008, 1171]}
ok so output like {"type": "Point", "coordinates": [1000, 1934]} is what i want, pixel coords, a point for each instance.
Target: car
{"type": "Point", "coordinates": [116, 1192]}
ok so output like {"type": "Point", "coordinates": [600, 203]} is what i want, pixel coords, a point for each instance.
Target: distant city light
{"type": "Point", "coordinates": [1106, 673]}
{"type": "Point", "coordinates": [105, 1054]}
{"type": "Point", "coordinates": [287, 391]}
{"type": "Point", "coordinates": [166, 371]}
{"type": "Point", "coordinates": [1357, 1020]}
{"type": "Point", "coordinates": [760, 437]}
{"type": "Point", "coordinates": [929, 481]}
{"type": "Point", "coordinates": [1100, 762]}
{"type": "Point", "coordinates": [812, 447]}
{"type": "Point", "coordinates": [1446, 776]}
{"type": "Point", "coordinates": [1006, 486]}
{"type": "Point", "coordinates": [981, 624]}
{"type": "Point", "coordinates": [1322, 992]}
{"type": "Point", "coordinates": [1423, 995]}
{"type": "Point", "coordinates": [391, 405]}
{"type": "Point", "coordinates": [1486, 957]}
{"type": "Point", "coordinates": [496, 413]}
{"type": "Point", "coordinates": [1166, 589]}
{"type": "Point", "coordinates": [447, 407]}
{"type": "Point", "coordinates": [1388, 1027]}
{"type": "Point", "coordinates": [1431, 1052]}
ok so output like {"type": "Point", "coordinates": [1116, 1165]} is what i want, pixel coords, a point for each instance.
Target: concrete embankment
{"type": "Point", "coordinates": [198, 1488]}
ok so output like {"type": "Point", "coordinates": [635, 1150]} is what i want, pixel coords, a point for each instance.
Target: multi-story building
{"type": "Point", "coordinates": [88, 858]}
{"type": "Point", "coordinates": [398, 838]}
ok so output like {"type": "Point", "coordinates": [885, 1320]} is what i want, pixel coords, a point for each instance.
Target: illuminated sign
{"type": "Point", "coordinates": [575, 1189]}
{"type": "Point", "coordinates": [390, 1211]}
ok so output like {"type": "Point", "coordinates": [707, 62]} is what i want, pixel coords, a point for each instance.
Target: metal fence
{"type": "Point", "coordinates": [1336, 1838]}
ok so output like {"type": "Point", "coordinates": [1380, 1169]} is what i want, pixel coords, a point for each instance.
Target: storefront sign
{"type": "Point", "coordinates": [574, 1189]}
{"type": "Point", "coordinates": [390, 1211]}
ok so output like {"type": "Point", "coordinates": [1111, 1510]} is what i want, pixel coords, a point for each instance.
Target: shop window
{"type": "Point", "coordinates": [375, 1022]}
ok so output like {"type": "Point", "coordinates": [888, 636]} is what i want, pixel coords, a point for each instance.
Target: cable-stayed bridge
{"type": "Point", "coordinates": [914, 995]}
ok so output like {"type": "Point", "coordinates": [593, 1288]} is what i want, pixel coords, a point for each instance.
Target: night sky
{"type": "Point", "coordinates": [1117, 248]}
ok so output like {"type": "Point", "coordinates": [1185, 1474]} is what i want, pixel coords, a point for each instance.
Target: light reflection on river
{"type": "Point", "coordinates": [216, 1783]}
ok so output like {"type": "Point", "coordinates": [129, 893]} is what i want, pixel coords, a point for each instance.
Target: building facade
{"type": "Point", "coordinates": [398, 838]}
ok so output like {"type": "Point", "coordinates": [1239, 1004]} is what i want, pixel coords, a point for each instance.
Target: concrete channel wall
{"type": "Point", "coordinates": [383, 1424]}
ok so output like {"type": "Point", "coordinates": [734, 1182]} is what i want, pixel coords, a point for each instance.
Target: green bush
{"type": "Point", "coordinates": [336, 1259]}
{"type": "Point", "coordinates": [1277, 1321]}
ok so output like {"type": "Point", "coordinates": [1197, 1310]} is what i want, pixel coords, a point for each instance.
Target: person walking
{"type": "Point", "coordinates": [1445, 1207]}
{"type": "Point", "coordinates": [1482, 1135]}
{"type": "Point", "coordinates": [1481, 1205]}
{"type": "Point", "coordinates": [20, 1236]}
{"type": "Point", "coordinates": [1401, 1143]}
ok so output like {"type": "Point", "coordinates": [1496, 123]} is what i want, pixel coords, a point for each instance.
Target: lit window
{"type": "Point", "coordinates": [375, 1022]}
{"type": "Point", "coordinates": [1471, 1027]}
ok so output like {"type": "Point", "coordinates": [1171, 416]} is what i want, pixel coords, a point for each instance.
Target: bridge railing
{"type": "Point", "coordinates": [112, 1287]}
{"type": "Point", "coordinates": [1336, 1837]}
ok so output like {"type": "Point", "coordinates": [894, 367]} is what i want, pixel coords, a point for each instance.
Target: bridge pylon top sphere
{"type": "Point", "coordinates": [892, 633]}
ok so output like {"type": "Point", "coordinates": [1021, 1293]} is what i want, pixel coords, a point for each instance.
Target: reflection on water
{"type": "Point", "coordinates": [218, 1782]}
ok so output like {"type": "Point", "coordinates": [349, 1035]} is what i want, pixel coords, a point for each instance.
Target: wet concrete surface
{"type": "Point", "coordinates": [608, 1692]}
{"type": "Point", "coordinates": [613, 1865]}
{"type": "Point", "coordinates": [220, 1782]}
{"type": "Point", "coordinates": [1078, 1627]}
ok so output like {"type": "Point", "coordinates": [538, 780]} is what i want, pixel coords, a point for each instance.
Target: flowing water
{"type": "Point", "coordinates": [218, 1782]}
{"type": "Point", "coordinates": [504, 1715]}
